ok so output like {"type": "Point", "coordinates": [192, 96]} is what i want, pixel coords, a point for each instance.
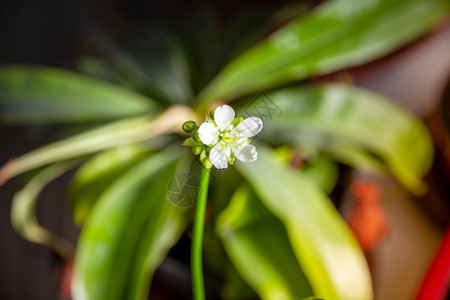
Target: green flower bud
{"type": "Point", "coordinates": [197, 149]}
{"type": "Point", "coordinates": [190, 127]}
{"type": "Point", "coordinates": [203, 156]}
{"type": "Point", "coordinates": [207, 163]}
{"type": "Point", "coordinates": [196, 137]}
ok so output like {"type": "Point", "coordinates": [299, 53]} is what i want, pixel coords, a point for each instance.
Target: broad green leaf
{"type": "Point", "coordinates": [47, 95]}
{"type": "Point", "coordinates": [97, 174]}
{"type": "Point", "coordinates": [119, 133]}
{"type": "Point", "coordinates": [338, 34]}
{"type": "Point", "coordinates": [258, 245]}
{"type": "Point", "coordinates": [324, 246]}
{"type": "Point", "coordinates": [23, 211]}
{"type": "Point", "coordinates": [341, 119]}
{"type": "Point", "coordinates": [128, 233]}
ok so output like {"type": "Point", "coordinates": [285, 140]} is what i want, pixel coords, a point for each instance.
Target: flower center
{"type": "Point", "coordinates": [228, 137]}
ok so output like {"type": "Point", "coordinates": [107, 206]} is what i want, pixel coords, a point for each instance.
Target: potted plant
{"type": "Point", "coordinates": [271, 230]}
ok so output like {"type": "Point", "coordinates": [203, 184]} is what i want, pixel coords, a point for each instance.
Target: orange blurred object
{"type": "Point", "coordinates": [366, 218]}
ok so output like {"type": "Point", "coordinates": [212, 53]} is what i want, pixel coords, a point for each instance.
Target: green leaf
{"type": "Point", "coordinates": [23, 211]}
{"type": "Point", "coordinates": [346, 121]}
{"type": "Point", "coordinates": [108, 136]}
{"type": "Point", "coordinates": [339, 34]}
{"type": "Point", "coordinates": [119, 133]}
{"type": "Point", "coordinates": [97, 174]}
{"type": "Point", "coordinates": [47, 95]}
{"type": "Point", "coordinates": [258, 245]}
{"type": "Point", "coordinates": [324, 246]}
{"type": "Point", "coordinates": [129, 232]}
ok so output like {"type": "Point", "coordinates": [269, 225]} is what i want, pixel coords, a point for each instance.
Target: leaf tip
{"type": "Point", "coordinates": [6, 172]}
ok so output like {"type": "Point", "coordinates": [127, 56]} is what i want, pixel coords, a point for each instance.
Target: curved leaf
{"type": "Point", "coordinates": [112, 135]}
{"type": "Point", "coordinates": [339, 34]}
{"type": "Point", "coordinates": [128, 233]}
{"type": "Point", "coordinates": [324, 246]}
{"type": "Point", "coordinates": [259, 247]}
{"type": "Point", "coordinates": [338, 118]}
{"type": "Point", "coordinates": [97, 174]}
{"type": "Point", "coordinates": [23, 211]}
{"type": "Point", "coordinates": [47, 95]}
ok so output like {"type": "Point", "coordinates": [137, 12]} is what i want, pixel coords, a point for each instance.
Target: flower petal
{"type": "Point", "coordinates": [245, 152]}
{"type": "Point", "coordinates": [208, 133]}
{"type": "Point", "coordinates": [218, 156]}
{"type": "Point", "coordinates": [223, 116]}
{"type": "Point", "coordinates": [250, 127]}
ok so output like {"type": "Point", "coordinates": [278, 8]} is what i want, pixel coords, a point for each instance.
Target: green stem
{"type": "Point", "coordinates": [196, 250]}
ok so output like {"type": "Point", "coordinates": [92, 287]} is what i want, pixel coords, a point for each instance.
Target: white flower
{"type": "Point", "coordinates": [228, 141]}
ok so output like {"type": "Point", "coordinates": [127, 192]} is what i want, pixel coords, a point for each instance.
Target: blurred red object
{"type": "Point", "coordinates": [436, 285]}
{"type": "Point", "coordinates": [66, 280]}
{"type": "Point", "coordinates": [366, 218]}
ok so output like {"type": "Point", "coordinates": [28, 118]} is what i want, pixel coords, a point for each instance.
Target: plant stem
{"type": "Point", "coordinates": [197, 239]}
